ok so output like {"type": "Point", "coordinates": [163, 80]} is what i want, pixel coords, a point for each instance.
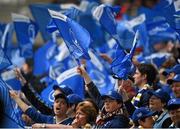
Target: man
{"type": "Point", "coordinates": [175, 85]}
{"type": "Point", "coordinates": [60, 108]}
{"type": "Point", "coordinates": [174, 112]}
{"type": "Point", "coordinates": [143, 117]}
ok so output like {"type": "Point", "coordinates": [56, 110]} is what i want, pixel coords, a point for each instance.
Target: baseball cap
{"type": "Point", "coordinates": [173, 103]}
{"type": "Point", "coordinates": [160, 93]}
{"type": "Point", "coordinates": [141, 112]}
{"type": "Point", "coordinates": [65, 89]}
{"type": "Point", "coordinates": [175, 69]}
{"type": "Point", "coordinates": [175, 79]}
{"type": "Point", "coordinates": [113, 95]}
{"type": "Point", "coordinates": [63, 96]}
{"type": "Point", "coordinates": [74, 99]}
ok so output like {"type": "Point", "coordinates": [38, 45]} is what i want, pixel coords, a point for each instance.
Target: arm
{"type": "Point", "coordinates": [90, 87]}
{"type": "Point", "coordinates": [19, 102]}
{"type": "Point", "coordinates": [38, 125]}
{"type": "Point", "coordinates": [33, 96]}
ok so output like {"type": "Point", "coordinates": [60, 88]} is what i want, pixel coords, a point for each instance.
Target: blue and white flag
{"type": "Point", "coordinates": [42, 18]}
{"type": "Point", "coordinates": [41, 58]}
{"type": "Point", "coordinates": [75, 36]}
{"type": "Point", "coordinates": [4, 61]}
{"type": "Point", "coordinates": [6, 39]}
{"type": "Point", "coordinates": [98, 73]}
{"type": "Point", "coordinates": [26, 31]}
{"type": "Point", "coordinates": [10, 118]}
{"type": "Point", "coordinates": [105, 15]}
{"type": "Point", "coordinates": [69, 78]}
{"type": "Point", "coordinates": [10, 78]}
{"type": "Point", "coordinates": [2, 28]}
{"type": "Point", "coordinates": [160, 30]}
{"type": "Point", "coordinates": [123, 66]}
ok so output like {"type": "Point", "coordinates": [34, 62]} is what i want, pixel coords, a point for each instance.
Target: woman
{"type": "Point", "coordinates": [85, 117]}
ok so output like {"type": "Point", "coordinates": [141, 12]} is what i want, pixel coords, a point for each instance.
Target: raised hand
{"type": "Point", "coordinates": [20, 76]}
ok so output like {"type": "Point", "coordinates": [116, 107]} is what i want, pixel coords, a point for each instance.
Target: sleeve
{"type": "Point", "coordinates": [130, 107]}
{"type": "Point", "coordinates": [95, 94]}
{"type": "Point", "coordinates": [35, 99]}
{"type": "Point", "coordinates": [38, 117]}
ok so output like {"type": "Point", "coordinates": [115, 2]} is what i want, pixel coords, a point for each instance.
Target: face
{"type": "Point", "coordinates": [138, 78]}
{"type": "Point", "coordinates": [176, 89]}
{"type": "Point", "coordinates": [60, 107]}
{"type": "Point", "coordinates": [175, 115]}
{"type": "Point", "coordinates": [155, 103]}
{"type": "Point", "coordinates": [80, 118]}
{"type": "Point", "coordinates": [111, 105]}
{"type": "Point", "coordinates": [148, 123]}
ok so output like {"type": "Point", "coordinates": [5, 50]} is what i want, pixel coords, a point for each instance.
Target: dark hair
{"type": "Point", "coordinates": [89, 110]}
{"type": "Point", "coordinates": [93, 103]}
{"type": "Point", "coordinates": [150, 71]}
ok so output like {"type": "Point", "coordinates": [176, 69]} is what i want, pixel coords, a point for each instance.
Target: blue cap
{"type": "Point", "coordinates": [141, 112]}
{"type": "Point", "coordinates": [173, 103]}
{"type": "Point", "coordinates": [175, 79]}
{"type": "Point", "coordinates": [74, 99]}
{"type": "Point", "coordinates": [65, 89]}
{"type": "Point", "coordinates": [62, 96]}
{"type": "Point", "coordinates": [113, 95]}
{"type": "Point", "coordinates": [161, 94]}
{"type": "Point", "coordinates": [175, 69]}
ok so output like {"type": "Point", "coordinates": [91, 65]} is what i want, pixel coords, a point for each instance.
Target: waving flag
{"type": "Point", "coordinates": [75, 36]}
{"type": "Point", "coordinates": [123, 66]}
{"type": "Point", "coordinates": [98, 73]}
{"type": "Point", "coordinates": [26, 31]}
{"type": "Point", "coordinates": [105, 15]}
{"type": "Point", "coordinates": [39, 12]}
{"type": "Point", "coordinates": [4, 61]}
{"type": "Point", "coordinates": [10, 119]}
{"type": "Point", "coordinates": [69, 78]}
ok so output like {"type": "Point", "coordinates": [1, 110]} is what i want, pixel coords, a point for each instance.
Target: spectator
{"type": "Point", "coordinates": [174, 112]}
{"type": "Point", "coordinates": [143, 118]}
{"type": "Point", "coordinates": [157, 103]}
{"type": "Point", "coordinates": [60, 108]}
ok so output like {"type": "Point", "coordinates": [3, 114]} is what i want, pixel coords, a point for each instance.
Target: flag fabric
{"type": "Point", "coordinates": [10, 78]}
{"type": "Point", "coordinates": [2, 28]}
{"type": "Point", "coordinates": [4, 61]}
{"type": "Point", "coordinates": [39, 12]}
{"type": "Point", "coordinates": [26, 31]}
{"type": "Point", "coordinates": [98, 73]}
{"type": "Point", "coordinates": [74, 35]}
{"type": "Point", "coordinates": [160, 30]}
{"type": "Point", "coordinates": [6, 39]}
{"type": "Point", "coordinates": [10, 119]}
{"type": "Point", "coordinates": [122, 66]}
{"type": "Point", "coordinates": [41, 62]}
{"type": "Point", "coordinates": [68, 78]}
{"type": "Point", "coordinates": [105, 15]}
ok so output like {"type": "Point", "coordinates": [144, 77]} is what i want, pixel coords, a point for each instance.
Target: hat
{"type": "Point", "coordinates": [74, 99]}
{"type": "Point", "coordinates": [173, 103]}
{"type": "Point", "coordinates": [65, 89]}
{"type": "Point", "coordinates": [175, 79]}
{"type": "Point", "coordinates": [175, 69]}
{"type": "Point", "coordinates": [141, 112]}
{"type": "Point", "coordinates": [161, 94]}
{"type": "Point", "coordinates": [63, 96]}
{"type": "Point", "coordinates": [113, 95]}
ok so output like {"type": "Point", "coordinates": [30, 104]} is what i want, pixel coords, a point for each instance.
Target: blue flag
{"type": "Point", "coordinates": [68, 78]}
{"type": "Point", "coordinates": [75, 36]}
{"type": "Point", "coordinates": [160, 30]}
{"type": "Point", "coordinates": [4, 61]}
{"type": "Point", "coordinates": [98, 73]}
{"type": "Point", "coordinates": [42, 17]}
{"type": "Point", "coordinates": [10, 78]}
{"type": "Point", "coordinates": [10, 119]}
{"type": "Point", "coordinates": [41, 62]}
{"type": "Point", "coordinates": [26, 31]}
{"type": "Point", "coordinates": [2, 28]}
{"type": "Point", "coordinates": [122, 66]}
